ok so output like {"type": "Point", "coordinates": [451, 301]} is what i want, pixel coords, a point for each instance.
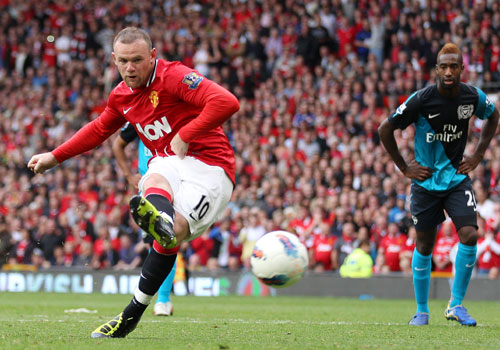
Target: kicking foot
{"type": "Point", "coordinates": [157, 224]}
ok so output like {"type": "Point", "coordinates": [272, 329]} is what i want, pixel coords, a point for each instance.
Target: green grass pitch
{"type": "Point", "coordinates": [39, 321]}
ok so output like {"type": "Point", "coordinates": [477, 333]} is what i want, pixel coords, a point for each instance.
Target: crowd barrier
{"type": "Point", "coordinates": [236, 283]}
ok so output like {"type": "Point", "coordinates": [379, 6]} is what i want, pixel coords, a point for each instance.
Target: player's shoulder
{"type": "Point", "coordinates": [180, 74]}
{"type": "Point", "coordinates": [120, 90]}
{"type": "Point", "coordinates": [468, 89]}
{"type": "Point", "coordinates": [170, 68]}
{"type": "Point", "coordinates": [427, 93]}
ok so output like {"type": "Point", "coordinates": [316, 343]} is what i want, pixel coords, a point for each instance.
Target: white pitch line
{"type": "Point", "coordinates": [242, 321]}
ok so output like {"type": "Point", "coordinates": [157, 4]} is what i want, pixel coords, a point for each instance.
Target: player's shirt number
{"type": "Point", "coordinates": [471, 200]}
{"type": "Point", "coordinates": [201, 209]}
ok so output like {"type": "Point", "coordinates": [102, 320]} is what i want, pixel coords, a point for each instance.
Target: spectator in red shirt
{"type": "Point", "coordinates": [488, 254]}
{"type": "Point", "coordinates": [441, 254]}
{"type": "Point", "coordinates": [202, 248]}
{"type": "Point", "coordinates": [407, 249]}
{"type": "Point", "coordinates": [389, 249]}
{"type": "Point", "coordinates": [322, 248]}
{"type": "Point", "coordinates": [345, 34]}
{"type": "Point", "coordinates": [300, 222]}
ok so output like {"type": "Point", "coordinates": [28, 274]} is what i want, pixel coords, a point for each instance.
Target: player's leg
{"type": "Point", "coordinates": [464, 265]}
{"type": "Point", "coordinates": [163, 306]}
{"type": "Point", "coordinates": [161, 259]}
{"type": "Point", "coordinates": [200, 200]}
{"type": "Point", "coordinates": [427, 213]}
{"type": "Point", "coordinates": [198, 203]}
{"type": "Point", "coordinates": [154, 213]}
{"type": "Point", "coordinates": [155, 269]}
{"type": "Point", "coordinates": [421, 265]}
{"type": "Point", "coordinates": [461, 205]}
{"type": "Point", "coordinates": [159, 262]}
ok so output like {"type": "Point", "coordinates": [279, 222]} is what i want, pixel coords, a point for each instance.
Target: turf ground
{"type": "Point", "coordinates": [39, 321]}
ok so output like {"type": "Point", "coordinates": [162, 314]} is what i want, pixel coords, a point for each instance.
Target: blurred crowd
{"type": "Point", "coordinates": [314, 79]}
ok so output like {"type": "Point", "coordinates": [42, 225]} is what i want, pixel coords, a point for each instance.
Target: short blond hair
{"type": "Point", "coordinates": [130, 34]}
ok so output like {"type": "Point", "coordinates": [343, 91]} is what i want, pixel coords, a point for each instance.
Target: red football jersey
{"type": "Point", "coordinates": [442, 251]}
{"type": "Point", "coordinates": [392, 248]}
{"type": "Point", "coordinates": [322, 248]}
{"type": "Point", "coordinates": [488, 257]}
{"type": "Point", "coordinates": [177, 99]}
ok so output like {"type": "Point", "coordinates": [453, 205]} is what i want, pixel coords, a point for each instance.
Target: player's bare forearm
{"type": "Point", "coordinates": [386, 133]}
{"type": "Point", "coordinates": [488, 130]}
{"type": "Point", "coordinates": [412, 170]}
{"type": "Point", "coordinates": [118, 147]}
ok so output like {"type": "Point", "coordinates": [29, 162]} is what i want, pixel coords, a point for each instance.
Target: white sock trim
{"type": "Point", "coordinates": [141, 297]}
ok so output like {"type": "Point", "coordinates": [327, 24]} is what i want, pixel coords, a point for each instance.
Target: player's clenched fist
{"type": "Point", "coordinates": [39, 163]}
{"type": "Point", "coordinates": [179, 147]}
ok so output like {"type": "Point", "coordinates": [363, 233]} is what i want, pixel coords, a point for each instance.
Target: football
{"type": "Point", "coordinates": [279, 259]}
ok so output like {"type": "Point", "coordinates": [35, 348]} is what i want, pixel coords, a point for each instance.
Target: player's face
{"type": "Point", "coordinates": [449, 68]}
{"type": "Point", "coordinates": [135, 62]}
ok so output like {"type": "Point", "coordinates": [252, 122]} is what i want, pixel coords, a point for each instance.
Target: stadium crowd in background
{"type": "Point", "coordinates": [314, 79]}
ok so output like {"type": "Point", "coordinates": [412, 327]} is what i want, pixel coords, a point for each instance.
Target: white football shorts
{"type": "Point", "coordinates": [201, 191]}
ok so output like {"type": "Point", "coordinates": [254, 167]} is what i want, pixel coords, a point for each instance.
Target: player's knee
{"type": "Point", "coordinates": [157, 181]}
{"type": "Point", "coordinates": [468, 235]}
{"type": "Point", "coordinates": [181, 228]}
{"type": "Point", "coordinates": [425, 248]}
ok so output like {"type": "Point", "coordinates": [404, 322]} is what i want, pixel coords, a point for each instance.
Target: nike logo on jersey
{"type": "Point", "coordinates": [125, 111]}
{"type": "Point", "coordinates": [433, 115]}
{"type": "Point", "coordinates": [420, 268]}
{"type": "Point", "coordinates": [469, 265]}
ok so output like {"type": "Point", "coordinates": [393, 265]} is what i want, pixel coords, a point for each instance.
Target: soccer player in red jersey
{"type": "Point", "coordinates": [390, 249]}
{"type": "Point", "coordinates": [178, 115]}
{"type": "Point", "coordinates": [444, 243]}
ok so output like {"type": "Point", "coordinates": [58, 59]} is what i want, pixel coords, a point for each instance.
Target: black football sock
{"type": "Point", "coordinates": [134, 310]}
{"type": "Point", "coordinates": [161, 203]}
{"type": "Point", "coordinates": [155, 269]}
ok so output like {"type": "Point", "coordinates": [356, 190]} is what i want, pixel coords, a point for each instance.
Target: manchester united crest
{"type": "Point", "coordinates": [465, 111]}
{"type": "Point", "coordinates": [153, 98]}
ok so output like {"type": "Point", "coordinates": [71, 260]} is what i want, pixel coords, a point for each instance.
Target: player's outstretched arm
{"type": "Point", "coordinates": [488, 130]}
{"type": "Point", "coordinates": [39, 163]}
{"type": "Point", "coordinates": [413, 169]}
